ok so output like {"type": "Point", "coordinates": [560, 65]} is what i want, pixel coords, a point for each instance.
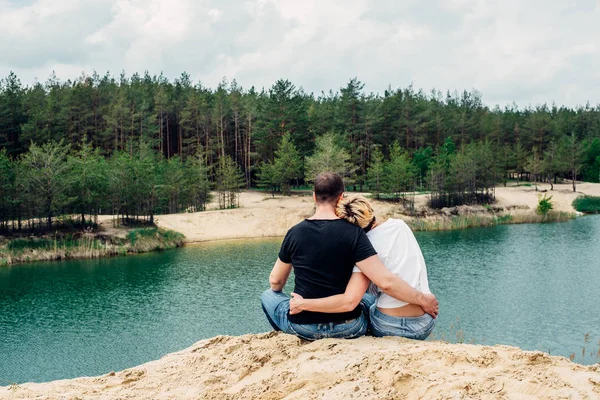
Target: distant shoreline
{"type": "Point", "coordinates": [78, 245]}
{"type": "Point", "coordinates": [260, 216]}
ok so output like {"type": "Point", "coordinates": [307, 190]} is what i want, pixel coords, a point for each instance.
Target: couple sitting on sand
{"type": "Point", "coordinates": [334, 255]}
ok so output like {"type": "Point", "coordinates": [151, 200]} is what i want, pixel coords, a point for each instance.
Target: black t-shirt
{"type": "Point", "coordinates": [323, 254]}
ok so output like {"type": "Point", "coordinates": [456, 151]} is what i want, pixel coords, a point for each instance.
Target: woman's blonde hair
{"type": "Point", "coordinates": [356, 210]}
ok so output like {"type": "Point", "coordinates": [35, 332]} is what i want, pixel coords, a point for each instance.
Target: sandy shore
{"type": "Point", "coordinates": [260, 215]}
{"type": "Point", "coordinates": [280, 366]}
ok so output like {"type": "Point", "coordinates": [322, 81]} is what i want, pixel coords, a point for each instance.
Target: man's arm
{"type": "Point", "coordinates": [396, 287]}
{"type": "Point", "coordinates": [279, 275]}
{"type": "Point", "coordinates": [357, 286]}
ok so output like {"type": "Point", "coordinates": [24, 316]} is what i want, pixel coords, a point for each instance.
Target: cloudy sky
{"type": "Point", "coordinates": [529, 52]}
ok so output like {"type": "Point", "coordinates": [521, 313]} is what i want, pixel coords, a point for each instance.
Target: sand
{"type": "Point", "coordinates": [260, 215]}
{"type": "Point", "coordinates": [280, 366]}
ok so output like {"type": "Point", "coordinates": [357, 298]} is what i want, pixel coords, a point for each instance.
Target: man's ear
{"type": "Point", "coordinates": [314, 197]}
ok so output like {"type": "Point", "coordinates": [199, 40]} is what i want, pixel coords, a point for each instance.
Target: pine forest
{"type": "Point", "coordinates": [138, 146]}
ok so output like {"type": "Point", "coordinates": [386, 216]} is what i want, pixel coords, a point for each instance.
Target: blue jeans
{"type": "Point", "coordinates": [276, 306]}
{"type": "Point", "coordinates": [418, 328]}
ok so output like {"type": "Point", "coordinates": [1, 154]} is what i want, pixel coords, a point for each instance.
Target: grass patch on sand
{"type": "Point", "coordinates": [71, 246]}
{"type": "Point", "coordinates": [587, 204]}
{"type": "Point", "coordinates": [150, 239]}
{"type": "Point", "coordinates": [479, 221]}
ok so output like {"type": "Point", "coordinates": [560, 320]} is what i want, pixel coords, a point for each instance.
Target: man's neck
{"type": "Point", "coordinates": [324, 211]}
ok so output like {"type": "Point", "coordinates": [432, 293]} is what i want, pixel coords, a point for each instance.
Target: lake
{"type": "Point", "coordinates": [532, 286]}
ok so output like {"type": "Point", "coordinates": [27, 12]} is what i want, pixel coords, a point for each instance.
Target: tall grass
{"type": "Point", "coordinates": [149, 239]}
{"type": "Point", "coordinates": [591, 355]}
{"type": "Point", "coordinates": [587, 204]}
{"type": "Point", "coordinates": [478, 221]}
{"type": "Point", "coordinates": [87, 246]}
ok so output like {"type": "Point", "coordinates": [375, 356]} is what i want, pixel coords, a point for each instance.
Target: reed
{"type": "Point", "coordinates": [478, 221]}
{"type": "Point", "coordinates": [590, 352]}
{"type": "Point", "coordinates": [87, 246]}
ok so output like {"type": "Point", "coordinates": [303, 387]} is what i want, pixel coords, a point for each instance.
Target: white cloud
{"type": "Point", "coordinates": [214, 14]}
{"type": "Point", "coordinates": [529, 52]}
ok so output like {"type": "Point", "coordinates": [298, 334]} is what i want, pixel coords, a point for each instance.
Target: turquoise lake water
{"type": "Point", "coordinates": [533, 286]}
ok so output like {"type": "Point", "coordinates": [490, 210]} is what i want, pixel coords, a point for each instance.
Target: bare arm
{"type": "Point", "coordinates": [279, 275]}
{"type": "Point", "coordinates": [395, 286]}
{"type": "Point", "coordinates": [357, 286]}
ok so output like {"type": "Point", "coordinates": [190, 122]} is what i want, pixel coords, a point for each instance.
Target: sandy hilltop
{"type": "Point", "coordinates": [260, 215]}
{"type": "Point", "coordinates": [280, 366]}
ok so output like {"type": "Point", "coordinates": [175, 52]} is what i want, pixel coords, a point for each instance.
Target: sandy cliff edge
{"type": "Point", "coordinates": [276, 366]}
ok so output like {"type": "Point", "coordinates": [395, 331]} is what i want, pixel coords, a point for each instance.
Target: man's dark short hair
{"type": "Point", "coordinates": [328, 187]}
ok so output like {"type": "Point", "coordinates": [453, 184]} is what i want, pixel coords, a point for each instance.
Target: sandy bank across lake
{"type": "Point", "coordinates": [260, 215]}
{"type": "Point", "coordinates": [280, 366]}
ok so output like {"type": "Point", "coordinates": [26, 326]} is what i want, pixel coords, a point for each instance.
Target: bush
{"type": "Point", "coordinates": [587, 204]}
{"type": "Point", "coordinates": [544, 205]}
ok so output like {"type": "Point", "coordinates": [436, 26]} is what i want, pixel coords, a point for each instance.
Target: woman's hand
{"type": "Point", "coordinates": [296, 304]}
{"type": "Point", "coordinates": [430, 305]}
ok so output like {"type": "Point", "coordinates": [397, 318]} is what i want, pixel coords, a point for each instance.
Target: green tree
{"type": "Point", "coordinates": [520, 156]}
{"type": "Point", "coordinates": [422, 157]}
{"type": "Point", "coordinates": [173, 185]}
{"type": "Point", "coordinates": [267, 178]}
{"type": "Point", "coordinates": [88, 180]}
{"type": "Point", "coordinates": [198, 185]}
{"type": "Point", "coordinates": [12, 115]}
{"type": "Point", "coordinates": [329, 156]}
{"type": "Point", "coordinates": [229, 182]}
{"type": "Point", "coordinates": [573, 152]}
{"type": "Point", "coordinates": [287, 165]}
{"type": "Point", "coordinates": [552, 164]}
{"type": "Point", "coordinates": [590, 168]}
{"type": "Point", "coordinates": [7, 190]}
{"type": "Point", "coordinates": [376, 173]}
{"type": "Point", "coordinates": [399, 173]}
{"type": "Point", "coordinates": [534, 165]}
{"type": "Point", "coordinates": [47, 177]}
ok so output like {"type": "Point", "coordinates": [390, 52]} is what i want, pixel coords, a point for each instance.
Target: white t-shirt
{"type": "Point", "coordinates": [399, 251]}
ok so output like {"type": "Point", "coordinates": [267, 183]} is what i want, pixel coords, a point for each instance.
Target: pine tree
{"type": "Point", "coordinates": [7, 191]}
{"type": "Point", "coordinates": [399, 173]}
{"type": "Point", "coordinates": [198, 185]}
{"type": "Point", "coordinates": [11, 113]}
{"type": "Point", "coordinates": [46, 178]}
{"type": "Point", "coordinates": [267, 178]}
{"type": "Point", "coordinates": [375, 173]}
{"type": "Point", "coordinates": [88, 180]}
{"type": "Point", "coordinates": [229, 182]}
{"type": "Point", "coordinates": [329, 156]}
{"type": "Point", "coordinates": [287, 165]}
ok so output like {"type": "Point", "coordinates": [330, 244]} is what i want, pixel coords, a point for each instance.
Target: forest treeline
{"type": "Point", "coordinates": [52, 180]}
{"type": "Point", "coordinates": [391, 143]}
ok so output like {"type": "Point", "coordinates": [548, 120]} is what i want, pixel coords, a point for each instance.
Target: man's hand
{"type": "Point", "coordinates": [296, 304]}
{"type": "Point", "coordinates": [430, 304]}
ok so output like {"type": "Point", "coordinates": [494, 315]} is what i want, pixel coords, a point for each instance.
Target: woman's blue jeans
{"type": "Point", "coordinates": [418, 328]}
{"type": "Point", "coordinates": [276, 306]}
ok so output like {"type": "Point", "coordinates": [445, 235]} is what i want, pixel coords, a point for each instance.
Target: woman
{"type": "Point", "coordinates": [400, 253]}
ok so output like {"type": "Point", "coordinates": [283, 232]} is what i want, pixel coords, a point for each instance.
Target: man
{"type": "Point", "coordinates": [323, 250]}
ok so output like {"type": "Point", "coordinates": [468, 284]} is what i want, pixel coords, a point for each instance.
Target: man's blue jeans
{"type": "Point", "coordinates": [276, 306]}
